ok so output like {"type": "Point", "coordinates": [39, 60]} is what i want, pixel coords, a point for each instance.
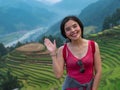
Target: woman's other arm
{"type": "Point", "coordinates": [98, 67]}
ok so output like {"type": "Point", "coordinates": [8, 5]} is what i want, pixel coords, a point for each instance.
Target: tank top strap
{"type": "Point", "coordinates": [64, 51]}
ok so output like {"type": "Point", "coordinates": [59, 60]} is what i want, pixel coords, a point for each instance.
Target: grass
{"type": "Point", "coordinates": [35, 71]}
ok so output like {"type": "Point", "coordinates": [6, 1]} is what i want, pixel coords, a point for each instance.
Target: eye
{"type": "Point", "coordinates": [67, 29]}
{"type": "Point", "coordinates": [75, 26]}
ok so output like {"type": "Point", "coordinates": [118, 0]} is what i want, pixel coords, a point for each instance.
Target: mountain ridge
{"type": "Point", "coordinates": [95, 13]}
{"type": "Point", "coordinates": [18, 16]}
{"type": "Point", "coordinates": [91, 16]}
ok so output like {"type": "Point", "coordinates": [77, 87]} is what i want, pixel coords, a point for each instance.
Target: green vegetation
{"type": "Point", "coordinates": [112, 20]}
{"type": "Point", "coordinates": [3, 50]}
{"type": "Point", "coordinates": [109, 43]}
{"type": "Point", "coordinates": [89, 29]}
{"type": "Point", "coordinates": [36, 73]}
{"type": "Point", "coordinates": [58, 39]}
{"type": "Point", "coordinates": [8, 81]}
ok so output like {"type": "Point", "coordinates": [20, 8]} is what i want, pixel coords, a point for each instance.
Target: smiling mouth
{"type": "Point", "coordinates": [74, 34]}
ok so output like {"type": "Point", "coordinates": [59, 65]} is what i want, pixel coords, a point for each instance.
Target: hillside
{"type": "Point", "coordinates": [36, 71]}
{"type": "Point", "coordinates": [109, 43]}
{"type": "Point", "coordinates": [22, 15]}
{"type": "Point", "coordinates": [94, 14]}
{"type": "Point", "coordinates": [91, 16]}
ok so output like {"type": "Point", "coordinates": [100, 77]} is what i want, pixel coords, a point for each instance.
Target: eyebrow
{"type": "Point", "coordinates": [72, 24]}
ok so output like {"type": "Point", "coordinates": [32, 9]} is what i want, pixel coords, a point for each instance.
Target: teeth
{"type": "Point", "coordinates": [74, 34]}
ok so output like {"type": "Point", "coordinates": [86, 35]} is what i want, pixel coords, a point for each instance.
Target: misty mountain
{"type": "Point", "coordinates": [92, 15]}
{"type": "Point", "coordinates": [70, 7]}
{"type": "Point", "coordinates": [95, 13]}
{"type": "Point", "coordinates": [18, 15]}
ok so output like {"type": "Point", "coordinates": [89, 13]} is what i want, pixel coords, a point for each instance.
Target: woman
{"type": "Point", "coordinates": [82, 64]}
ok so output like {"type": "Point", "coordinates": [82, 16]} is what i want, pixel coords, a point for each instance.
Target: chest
{"type": "Point", "coordinates": [78, 52]}
{"type": "Point", "coordinates": [85, 55]}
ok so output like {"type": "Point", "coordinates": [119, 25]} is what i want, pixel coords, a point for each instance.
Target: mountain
{"type": "Point", "coordinates": [36, 66]}
{"type": "Point", "coordinates": [95, 13]}
{"type": "Point", "coordinates": [92, 16]}
{"type": "Point", "coordinates": [21, 17]}
{"type": "Point", "coordinates": [16, 15]}
{"type": "Point", "coordinates": [72, 6]}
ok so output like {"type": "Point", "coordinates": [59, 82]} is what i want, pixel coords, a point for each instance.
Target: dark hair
{"type": "Point", "coordinates": [65, 20]}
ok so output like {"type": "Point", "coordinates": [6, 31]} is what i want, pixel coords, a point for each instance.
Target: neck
{"type": "Point", "coordinates": [77, 42]}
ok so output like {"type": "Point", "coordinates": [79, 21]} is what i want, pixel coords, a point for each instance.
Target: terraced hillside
{"type": "Point", "coordinates": [33, 67]}
{"type": "Point", "coordinates": [35, 70]}
{"type": "Point", "coordinates": [109, 43]}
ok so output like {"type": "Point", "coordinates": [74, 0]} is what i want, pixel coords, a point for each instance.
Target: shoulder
{"type": "Point", "coordinates": [63, 46]}
{"type": "Point", "coordinates": [60, 49]}
{"type": "Point", "coordinates": [96, 45]}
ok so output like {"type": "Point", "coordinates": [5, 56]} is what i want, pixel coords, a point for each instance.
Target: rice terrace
{"type": "Point", "coordinates": [32, 63]}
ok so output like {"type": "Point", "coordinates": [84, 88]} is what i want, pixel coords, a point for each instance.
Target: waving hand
{"type": "Point", "coordinates": [50, 46]}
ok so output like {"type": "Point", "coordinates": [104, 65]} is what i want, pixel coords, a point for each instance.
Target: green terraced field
{"type": "Point", "coordinates": [109, 43]}
{"type": "Point", "coordinates": [36, 72]}
{"type": "Point", "coordinates": [35, 75]}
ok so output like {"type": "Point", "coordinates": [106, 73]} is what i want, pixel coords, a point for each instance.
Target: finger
{"type": "Point", "coordinates": [46, 41]}
{"type": "Point", "coordinates": [55, 42]}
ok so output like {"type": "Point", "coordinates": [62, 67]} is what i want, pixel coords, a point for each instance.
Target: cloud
{"type": "Point", "coordinates": [51, 2]}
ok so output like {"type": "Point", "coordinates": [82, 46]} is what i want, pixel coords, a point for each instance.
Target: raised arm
{"type": "Point", "coordinates": [57, 57]}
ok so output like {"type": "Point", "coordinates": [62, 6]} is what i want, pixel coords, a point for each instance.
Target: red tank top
{"type": "Point", "coordinates": [73, 69]}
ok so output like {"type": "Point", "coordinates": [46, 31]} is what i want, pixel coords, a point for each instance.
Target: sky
{"type": "Point", "coordinates": [71, 6]}
{"type": "Point", "coordinates": [50, 1]}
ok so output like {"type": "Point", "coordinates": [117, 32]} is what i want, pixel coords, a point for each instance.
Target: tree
{"type": "Point", "coordinates": [59, 40]}
{"type": "Point", "coordinates": [3, 50]}
{"type": "Point", "coordinates": [112, 20]}
{"type": "Point", "coordinates": [18, 44]}
{"type": "Point", "coordinates": [106, 22]}
{"type": "Point", "coordinates": [8, 81]}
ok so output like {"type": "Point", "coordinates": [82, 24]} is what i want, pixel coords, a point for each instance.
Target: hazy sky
{"type": "Point", "coordinates": [50, 1]}
{"type": "Point", "coordinates": [66, 7]}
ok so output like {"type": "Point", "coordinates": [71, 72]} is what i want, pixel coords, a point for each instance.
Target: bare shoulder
{"type": "Point", "coordinates": [60, 49]}
{"type": "Point", "coordinates": [96, 47]}
{"type": "Point", "coordinates": [96, 44]}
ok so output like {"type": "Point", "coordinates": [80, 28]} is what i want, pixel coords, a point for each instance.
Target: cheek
{"type": "Point", "coordinates": [80, 30]}
{"type": "Point", "coordinates": [67, 33]}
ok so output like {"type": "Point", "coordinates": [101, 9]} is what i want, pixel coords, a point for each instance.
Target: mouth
{"type": "Point", "coordinates": [75, 34]}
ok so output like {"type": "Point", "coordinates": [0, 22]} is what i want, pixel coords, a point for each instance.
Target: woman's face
{"type": "Point", "coordinates": [72, 30]}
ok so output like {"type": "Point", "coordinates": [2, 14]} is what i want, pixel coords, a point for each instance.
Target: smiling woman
{"type": "Point", "coordinates": [80, 56]}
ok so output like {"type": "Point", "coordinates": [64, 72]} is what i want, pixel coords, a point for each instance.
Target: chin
{"type": "Point", "coordinates": [75, 39]}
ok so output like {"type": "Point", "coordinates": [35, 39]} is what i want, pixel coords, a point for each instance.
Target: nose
{"type": "Point", "coordinates": [72, 29]}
